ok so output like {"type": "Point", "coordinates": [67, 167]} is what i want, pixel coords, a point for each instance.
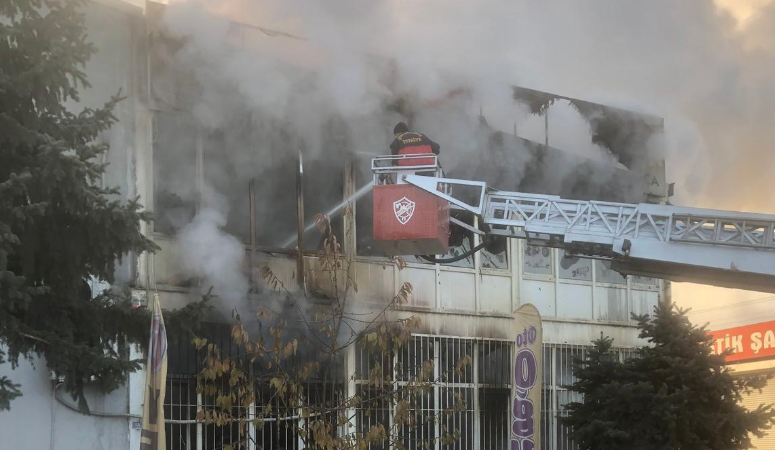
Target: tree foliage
{"type": "Point", "coordinates": [291, 369]}
{"type": "Point", "coordinates": [58, 224]}
{"type": "Point", "coordinates": [672, 394]}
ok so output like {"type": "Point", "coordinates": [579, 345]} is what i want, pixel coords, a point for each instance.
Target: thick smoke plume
{"type": "Point", "coordinates": [687, 62]}
{"type": "Point", "coordinates": [205, 251]}
{"type": "Point", "coordinates": [334, 92]}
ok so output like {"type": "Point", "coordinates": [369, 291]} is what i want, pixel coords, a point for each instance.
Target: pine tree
{"type": "Point", "coordinates": [672, 394]}
{"type": "Point", "coordinates": [58, 227]}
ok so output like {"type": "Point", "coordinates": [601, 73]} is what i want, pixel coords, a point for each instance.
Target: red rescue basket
{"type": "Point", "coordinates": [407, 219]}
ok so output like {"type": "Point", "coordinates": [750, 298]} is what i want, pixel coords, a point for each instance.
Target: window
{"type": "Point", "coordinates": [644, 281]}
{"type": "Point", "coordinates": [280, 427]}
{"type": "Point", "coordinates": [484, 385]}
{"type": "Point", "coordinates": [195, 167]}
{"type": "Point", "coordinates": [323, 194]}
{"type": "Point", "coordinates": [605, 274]}
{"type": "Point", "coordinates": [537, 260]}
{"type": "Point", "coordinates": [227, 173]}
{"type": "Point", "coordinates": [575, 268]}
{"type": "Point", "coordinates": [494, 369]}
{"type": "Point", "coordinates": [558, 374]}
{"type": "Point", "coordinates": [496, 256]}
{"type": "Point", "coordinates": [489, 380]}
{"type": "Point", "coordinates": [174, 171]}
{"type": "Point", "coordinates": [458, 247]}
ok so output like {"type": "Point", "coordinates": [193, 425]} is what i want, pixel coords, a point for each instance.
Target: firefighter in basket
{"type": "Point", "coordinates": [412, 143]}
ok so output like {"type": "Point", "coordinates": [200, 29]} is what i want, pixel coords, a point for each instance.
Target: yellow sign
{"type": "Point", "coordinates": [152, 434]}
{"type": "Point", "coordinates": [526, 398]}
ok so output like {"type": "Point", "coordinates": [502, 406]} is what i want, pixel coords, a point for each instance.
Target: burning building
{"type": "Point", "coordinates": [210, 138]}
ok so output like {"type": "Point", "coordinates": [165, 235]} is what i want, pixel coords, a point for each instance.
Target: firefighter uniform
{"type": "Point", "coordinates": [411, 143]}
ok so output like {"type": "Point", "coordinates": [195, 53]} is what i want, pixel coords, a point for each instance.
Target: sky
{"type": "Point", "coordinates": [727, 308]}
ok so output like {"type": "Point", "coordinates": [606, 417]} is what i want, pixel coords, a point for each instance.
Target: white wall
{"type": "Point", "coordinates": [38, 421]}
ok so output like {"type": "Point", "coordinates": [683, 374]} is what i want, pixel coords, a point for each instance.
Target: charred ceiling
{"type": "Point", "coordinates": [624, 133]}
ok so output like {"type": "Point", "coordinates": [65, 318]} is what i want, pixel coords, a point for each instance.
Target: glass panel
{"type": "Point", "coordinates": [374, 411]}
{"type": "Point", "coordinates": [537, 259]}
{"type": "Point", "coordinates": [226, 180]}
{"type": "Point", "coordinates": [548, 438]}
{"type": "Point", "coordinates": [604, 273]}
{"type": "Point", "coordinates": [412, 357]}
{"type": "Point", "coordinates": [465, 246]}
{"type": "Point", "coordinates": [647, 281]}
{"type": "Point", "coordinates": [494, 363]}
{"type": "Point", "coordinates": [451, 352]}
{"type": "Point", "coordinates": [494, 418]}
{"type": "Point", "coordinates": [323, 195]}
{"type": "Point", "coordinates": [564, 364]}
{"type": "Point", "coordinates": [497, 256]}
{"type": "Point", "coordinates": [461, 422]}
{"type": "Point", "coordinates": [575, 268]}
{"type": "Point", "coordinates": [423, 409]}
{"type": "Point", "coordinates": [547, 365]}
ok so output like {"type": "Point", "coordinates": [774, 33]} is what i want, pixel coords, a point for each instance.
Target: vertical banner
{"type": "Point", "coordinates": [526, 395]}
{"type": "Point", "coordinates": [152, 434]}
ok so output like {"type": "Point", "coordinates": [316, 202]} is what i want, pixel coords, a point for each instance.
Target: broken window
{"type": "Point", "coordinates": [537, 260]}
{"type": "Point", "coordinates": [575, 268]}
{"type": "Point", "coordinates": [460, 247]}
{"type": "Point", "coordinates": [227, 176]}
{"type": "Point", "coordinates": [495, 255]}
{"type": "Point", "coordinates": [323, 194]}
{"type": "Point", "coordinates": [646, 281]}
{"type": "Point", "coordinates": [174, 171]}
{"type": "Point", "coordinates": [230, 157]}
{"type": "Point", "coordinates": [605, 274]}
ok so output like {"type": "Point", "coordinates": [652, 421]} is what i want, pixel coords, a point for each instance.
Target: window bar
{"type": "Point", "coordinates": [436, 391]}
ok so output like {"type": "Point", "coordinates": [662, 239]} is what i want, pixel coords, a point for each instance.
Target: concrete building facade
{"type": "Point", "coordinates": [465, 307]}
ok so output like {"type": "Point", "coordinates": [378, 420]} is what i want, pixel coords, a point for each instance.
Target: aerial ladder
{"type": "Point", "coordinates": [721, 248]}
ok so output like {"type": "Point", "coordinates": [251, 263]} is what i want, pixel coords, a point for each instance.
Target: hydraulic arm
{"type": "Point", "coordinates": [723, 248]}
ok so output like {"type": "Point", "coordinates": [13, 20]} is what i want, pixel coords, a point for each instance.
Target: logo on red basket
{"type": "Point", "coordinates": [403, 209]}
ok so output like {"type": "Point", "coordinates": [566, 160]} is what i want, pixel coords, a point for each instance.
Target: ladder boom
{"type": "Point", "coordinates": [725, 248]}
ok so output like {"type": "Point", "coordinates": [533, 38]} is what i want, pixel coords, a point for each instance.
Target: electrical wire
{"type": "Point", "coordinates": [92, 413]}
{"type": "Point", "coordinates": [453, 259]}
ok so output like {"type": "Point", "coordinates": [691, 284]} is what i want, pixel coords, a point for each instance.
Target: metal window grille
{"type": "Point", "coordinates": [484, 385]}
{"type": "Point", "coordinates": [278, 430]}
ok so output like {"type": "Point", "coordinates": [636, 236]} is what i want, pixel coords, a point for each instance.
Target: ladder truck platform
{"type": "Point", "coordinates": [731, 249]}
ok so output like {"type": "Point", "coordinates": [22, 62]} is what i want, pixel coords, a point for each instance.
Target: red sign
{"type": "Point", "coordinates": [749, 342]}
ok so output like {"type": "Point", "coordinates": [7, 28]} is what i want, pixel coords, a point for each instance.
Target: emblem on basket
{"type": "Point", "coordinates": [403, 209]}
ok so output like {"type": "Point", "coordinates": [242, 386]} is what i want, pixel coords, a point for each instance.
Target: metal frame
{"type": "Point", "coordinates": [724, 248]}
{"type": "Point", "coordinates": [609, 223]}
{"type": "Point", "coordinates": [441, 187]}
{"type": "Point", "coordinates": [387, 165]}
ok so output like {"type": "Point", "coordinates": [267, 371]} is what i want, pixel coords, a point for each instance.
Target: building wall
{"type": "Point", "coordinates": [735, 323]}
{"type": "Point", "coordinates": [39, 420]}
{"type": "Point", "coordinates": [472, 301]}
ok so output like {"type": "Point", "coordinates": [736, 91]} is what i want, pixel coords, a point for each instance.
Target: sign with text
{"type": "Point", "coordinates": [748, 342]}
{"type": "Point", "coordinates": [152, 433]}
{"type": "Point", "coordinates": [526, 395]}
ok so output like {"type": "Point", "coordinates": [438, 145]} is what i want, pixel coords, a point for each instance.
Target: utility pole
{"type": "Point", "coordinates": [252, 209]}
{"type": "Point", "coordinates": [300, 224]}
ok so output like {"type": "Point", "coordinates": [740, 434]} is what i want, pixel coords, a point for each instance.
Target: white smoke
{"type": "Point", "coordinates": [204, 250]}
{"type": "Point", "coordinates": [687, 62]}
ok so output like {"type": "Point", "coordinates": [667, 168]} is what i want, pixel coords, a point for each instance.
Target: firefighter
{"type": "Point", "coordinates": [412, 143]}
